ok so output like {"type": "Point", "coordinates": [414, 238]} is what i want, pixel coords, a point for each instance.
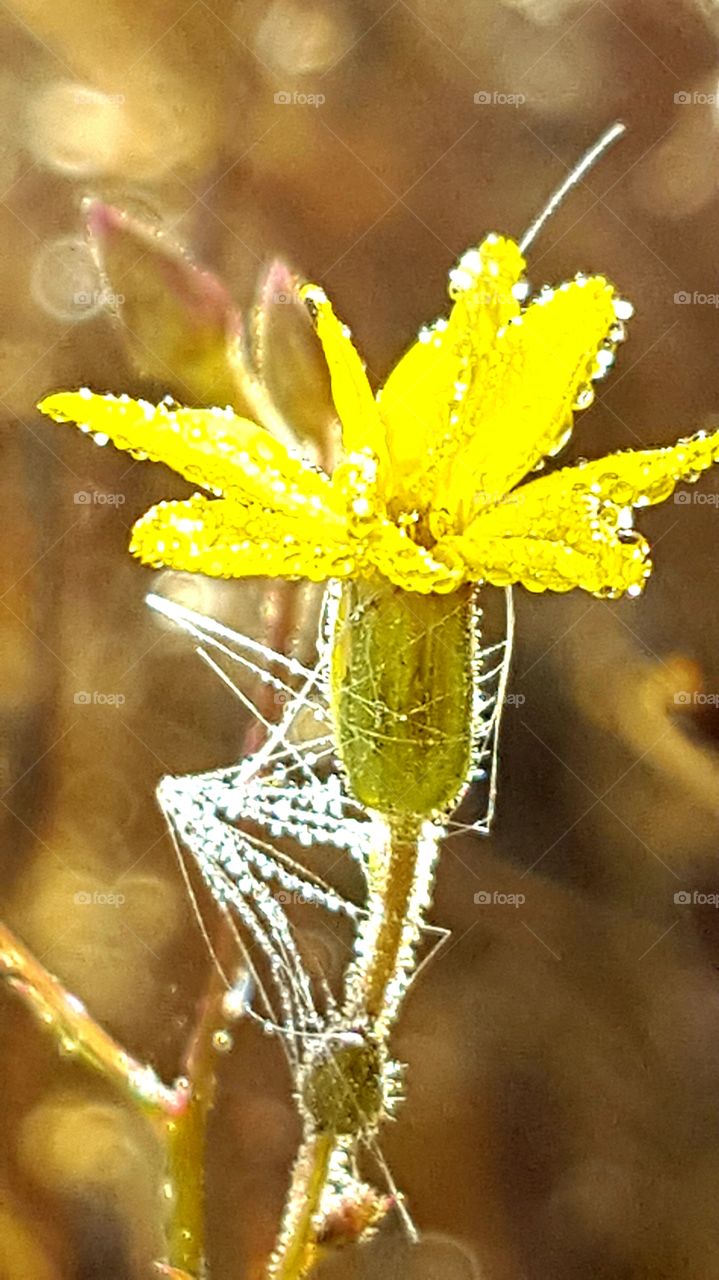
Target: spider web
{"type": "Point", "coordinates": [293, 788]}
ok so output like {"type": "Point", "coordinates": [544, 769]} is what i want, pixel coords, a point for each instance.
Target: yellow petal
{"type": "Point", "coordinates": [209, 447]}
{"type": "Point", "coordinates": [573, 503]}
{"type": "Point", "coordinates": [351, 392]}
{"type": "Point", "coordinates": [419, 399]}
{"type": "Point", "coordinates": [522, 412]}
{"type": "Point", "coordinates": [608, 568]}
{"type": "Point", "coordinates": [386, 545]}
{"type": "Point", "coordinates": [411, 566]}
{"type": "Point", "coordinates": [573, 528]}
{"type": "Point", "coordinates": [223, 539]}
{"type": "Point", "coordinates": [553, 534]}
{"type": "Point", "coordinates": [635, 478]}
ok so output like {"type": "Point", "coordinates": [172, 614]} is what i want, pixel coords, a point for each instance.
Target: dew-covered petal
{"type": "Point", "coordinates": [541, 370]}
{"type": "Point", "coordinates": [351, 392]}
{"type": "Point", "coordinates": [421, 404]}
{"type": "Point", "coordinates": [411, 566]}
{"type": "Point", "coordinates": [388, 547]}
{"type": "Point", "coordinates": [636, 478]}
{"type": "Point", "coordinates": [224, 539]}
{"type": "Point", "coordinates": [608, 566]}
{"type": "Point", "coordinates": [554, 535]}
{"type": "Point", "coordinates": [209, 447]}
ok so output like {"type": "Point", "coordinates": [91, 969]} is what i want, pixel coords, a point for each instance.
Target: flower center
{"type": "Point", "coordinates": [415, 523]}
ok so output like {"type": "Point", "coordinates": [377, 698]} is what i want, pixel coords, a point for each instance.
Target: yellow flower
{"type": "Point", "coordinates": [427, 491]}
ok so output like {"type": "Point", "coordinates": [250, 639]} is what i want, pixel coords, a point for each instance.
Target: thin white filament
{"type": "Point", "coordinates": [608, 138]}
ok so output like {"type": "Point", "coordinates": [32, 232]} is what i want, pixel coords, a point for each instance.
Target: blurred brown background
{"type": "Point", "coordinates": [562, 1117]}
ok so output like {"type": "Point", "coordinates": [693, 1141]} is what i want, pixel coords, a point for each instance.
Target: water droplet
{"type": "Point", "coordinates": [222, 1041]}
{"type": "Point", "coordinates": [585, 397]}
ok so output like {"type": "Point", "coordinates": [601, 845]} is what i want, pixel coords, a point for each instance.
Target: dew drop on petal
{"type": "Point", "coordinates": [585, 397]}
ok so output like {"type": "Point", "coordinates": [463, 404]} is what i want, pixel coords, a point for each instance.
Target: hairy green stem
{"type": "Point", "coordinates": [297, 1250]}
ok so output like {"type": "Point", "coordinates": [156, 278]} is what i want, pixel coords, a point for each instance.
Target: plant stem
{"type": "Point", "coordinates": [78, 1033]}
{"type": "Point", "coordinates": [297, 1249]}
{"type": "Point", "coordinates": [184, 1187]}
{"type": "Point", "coordinates": [178, 1112]}
{"type": "Point", "coordinates": [396, 879]}
{"type": "Point", "coordinates": [401, 877]}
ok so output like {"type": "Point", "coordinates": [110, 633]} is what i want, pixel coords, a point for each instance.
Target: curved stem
{"type": "Point", "coordinates": [178, 1112]}
{"type": "Point", "coordinates": [76, 1030]}
{"type": "Point", "coordinates": [297, 1249]}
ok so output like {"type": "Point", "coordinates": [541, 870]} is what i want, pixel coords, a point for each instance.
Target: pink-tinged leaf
{"type": "Point", "coordinates": [179, 323]}
{"type": "Point", "coordinates": [288, 357]}
{"type": "Point", "coordinates": [172, 1273]}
